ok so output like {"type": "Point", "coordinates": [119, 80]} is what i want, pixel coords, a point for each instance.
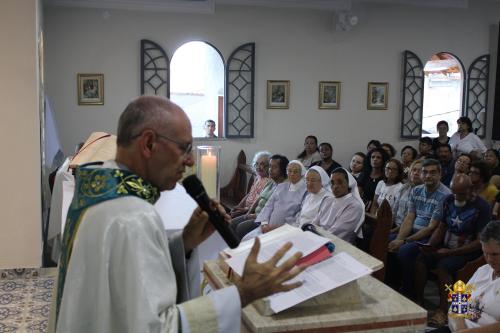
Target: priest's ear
{"type": "Point", "coordinates": [146, 143]}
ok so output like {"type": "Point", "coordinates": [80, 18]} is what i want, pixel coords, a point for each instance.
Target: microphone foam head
{"type": "Point", "coordinates": [193, 185]}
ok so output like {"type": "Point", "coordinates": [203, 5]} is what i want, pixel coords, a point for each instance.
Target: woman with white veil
{"type": "Point", "coordinates": [284, 203]}
{"type": "Point", "coordinates": [347, 211]}
{"type": "Point", "coordinates": [319, 196]}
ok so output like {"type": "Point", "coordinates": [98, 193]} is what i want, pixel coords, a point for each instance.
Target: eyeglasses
{"type": "Point", "coordinates": [309, 180]}
{"type": "Point", "coordinates": [262, 164]}
{"type": "Point", "coordinates": [186, 148]}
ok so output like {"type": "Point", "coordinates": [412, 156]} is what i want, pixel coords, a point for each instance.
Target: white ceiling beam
{"type": "Point", "coordinates": [334, 5]}
{"type": "Point", "coordinates": [183, 6]}
{"type": "Point", "coordinates": [423, 3]}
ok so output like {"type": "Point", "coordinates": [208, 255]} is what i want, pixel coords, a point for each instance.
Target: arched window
{"type": "Point", "coordinates": [443, 92]}
{"type": "Point", "coordinates": [197, 85]}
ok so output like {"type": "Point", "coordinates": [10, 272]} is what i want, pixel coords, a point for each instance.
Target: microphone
{"type": "Point", "coordinates": [195, 189]}
{"type": "Point", "coordinates": [309, 227]}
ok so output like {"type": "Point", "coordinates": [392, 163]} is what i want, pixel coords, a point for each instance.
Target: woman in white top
{"type": "Point", "coordinates": [483, 313]}
{"type": "Point", "coordinates": [389, 188]}
{"type": "Point", "coordinates": [318, 198]}
{"type": "Point", "coordinates": [310, 154]}
{"type": "Point", "coordinates": [464, 141]}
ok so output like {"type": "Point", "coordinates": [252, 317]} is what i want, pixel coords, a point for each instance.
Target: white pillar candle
{"type": "Point", "coordinates": [208, 168]}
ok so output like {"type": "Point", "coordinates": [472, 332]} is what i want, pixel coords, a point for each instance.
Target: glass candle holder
{"type": "Point", "coordinates": [207, 170]}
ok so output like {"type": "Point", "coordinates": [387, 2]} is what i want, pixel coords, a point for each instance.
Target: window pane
{"type": "Point", "coordinates": [197, 84]}
{"type": "Point", "coordinates": [442, 93]}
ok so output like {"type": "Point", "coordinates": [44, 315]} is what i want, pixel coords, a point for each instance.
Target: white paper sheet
{"type": "Point", "coordinates": [320, 278]}
{"type": "Point", "coordinates": [305, 242]}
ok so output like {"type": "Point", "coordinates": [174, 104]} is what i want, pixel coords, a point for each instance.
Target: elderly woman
{"type": "Point", "coordinates": [346, 213]}
{"type": "Point", "coordinates": [483, 314]}
{"type": "Point", "coordinates": [464, 141]}
{"type": "Point", "coordinates": [401, 204]}
{"type": "Point", "coordinates": [356, 164]}
{"type": "Point", "coordinates": [319, 196]}
{"type": "Point", "coordinates": [310, 154]}
{"type": "Point", "coordinates": [277, 172]}
{"type": "Point", "coordinates": [408, 155]}
{"type": "Point", "coordinates": [284, 203]}
{"type": "Point", "coordinates": [261, 167]}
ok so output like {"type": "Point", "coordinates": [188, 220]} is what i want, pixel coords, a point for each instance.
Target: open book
{"type": "Point", "coordinates": [326, 271]}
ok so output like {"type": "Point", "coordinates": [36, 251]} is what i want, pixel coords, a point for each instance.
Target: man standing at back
{"type": "Point", "coordinates": [118, 272]}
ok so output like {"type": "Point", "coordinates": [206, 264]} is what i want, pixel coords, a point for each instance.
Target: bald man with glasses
{"type": "Point", "coordinates": [118, 271]}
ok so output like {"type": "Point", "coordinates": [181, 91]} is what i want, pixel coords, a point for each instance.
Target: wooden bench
{"type": "Point", "coordinates": [240, 183]}
{"type": "Point", "coordinates": [376, 236]}
{"type": "Point", "coordinates": [465, 273]}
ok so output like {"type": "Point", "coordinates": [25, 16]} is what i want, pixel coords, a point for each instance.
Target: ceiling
{"type": "Point", "coordinates": [209, 6]}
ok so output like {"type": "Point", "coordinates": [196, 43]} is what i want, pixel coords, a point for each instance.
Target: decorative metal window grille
{"type": "Point", "coordinates": [155, 69]}
{"type": "Point", "coordinates": [240, 80]}
{"type": "Point", "coordinates": [477, 93]}
{"type": "Point", "coordinates": [413, 96]}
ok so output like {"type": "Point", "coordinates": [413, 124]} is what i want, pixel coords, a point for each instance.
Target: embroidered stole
{"type": "Point", "coordinates": [93, 186]}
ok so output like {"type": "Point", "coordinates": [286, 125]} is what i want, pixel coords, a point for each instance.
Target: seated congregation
{"type": "Point", "coordinates": [439, 202]}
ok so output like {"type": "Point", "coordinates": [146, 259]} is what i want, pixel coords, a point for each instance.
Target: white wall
{"type": "Point", "coordinates": [296, 45]}
{"type": "Point", "coordinates": [20, 198]}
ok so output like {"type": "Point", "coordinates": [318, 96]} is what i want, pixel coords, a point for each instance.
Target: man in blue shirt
{"type": "Point", "coordinates": [454, 242]}
{"type": "Point", "coordinates": [425, 209]}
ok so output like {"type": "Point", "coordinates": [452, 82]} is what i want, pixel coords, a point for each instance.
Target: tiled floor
{"type": "Point", "coordinates": [25, 296]}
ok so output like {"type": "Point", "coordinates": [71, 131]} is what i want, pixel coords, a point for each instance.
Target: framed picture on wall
{"type": "Point", "coordinates": [378, 94]}
{"type": "Point", "coordinates": [329, 95]}
{"type": "Point", "coordinates": [90, 89]}
{"type": "Point", "coordinates": [278, 94]}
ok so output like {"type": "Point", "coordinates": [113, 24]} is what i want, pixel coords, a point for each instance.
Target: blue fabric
{"type": "Point", "coordinates": [464, 223]}
{"type": "Point", "coordinates": [427, 206]}
{"type": "Point", "coordinates": [407, 256]}
{"type": "Point", "coordinates": [447, 172]}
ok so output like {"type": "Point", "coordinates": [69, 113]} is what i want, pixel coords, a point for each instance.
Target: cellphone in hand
{"type": "Point", "coordinates": [422, 244]}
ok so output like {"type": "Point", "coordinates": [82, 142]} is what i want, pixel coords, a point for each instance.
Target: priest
{"type": "Point", "coordinates": [118, 272]}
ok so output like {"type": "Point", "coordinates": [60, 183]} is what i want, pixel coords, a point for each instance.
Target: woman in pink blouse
{"type": "Point", "coordinates": [261, 167]}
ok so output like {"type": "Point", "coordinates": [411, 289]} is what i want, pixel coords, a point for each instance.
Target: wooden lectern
{"type": "Point", "coordinates": [365, 305]}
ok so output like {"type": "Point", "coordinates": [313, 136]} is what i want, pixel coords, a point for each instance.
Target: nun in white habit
{"type": "Point", "coordinates": [346, 213]}
{"type": "Point", "coordinates": [318, 199]}
{"type": "Point", "coordinates": [285, 202]}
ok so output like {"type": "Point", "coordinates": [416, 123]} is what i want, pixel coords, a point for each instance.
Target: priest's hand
{"type": "Point", "coordinates": [199, 227]}
{"type": "Point", "coordinates": [267, 278]}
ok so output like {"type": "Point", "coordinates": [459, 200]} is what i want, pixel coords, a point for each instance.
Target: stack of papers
{"type": "Point", "coordinates": [320, 277]}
